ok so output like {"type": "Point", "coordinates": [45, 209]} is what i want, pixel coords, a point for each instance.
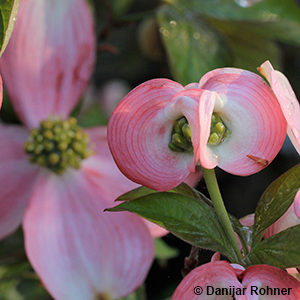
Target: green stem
{"type": "Point", "coordinates": [214, 192]}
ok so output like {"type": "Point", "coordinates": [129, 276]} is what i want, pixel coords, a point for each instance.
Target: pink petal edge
{"type": "Point", "coordinates": [17, 176]}
{"type": "Point", "coordinates": [265, 275]}
{"type": "Point", "coordinates": [287, 100]}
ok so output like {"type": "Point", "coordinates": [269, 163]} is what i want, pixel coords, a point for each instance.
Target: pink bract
{"type": "Point", "coordinates": [140, 127]}
{"type": "Point", "coordinates": [46, 72]}
{"type": "Point", "coordinates": [287, 100]}
{"type": "Point", "coordinates": [220, 274]}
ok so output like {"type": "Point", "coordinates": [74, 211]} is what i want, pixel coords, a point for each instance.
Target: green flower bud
{"type": "Point", "coordinates": [218, 131]}
{"type": "Point", "coordinates": [181, 137]}
{"type": "Point", "coordinates": [213, 139]}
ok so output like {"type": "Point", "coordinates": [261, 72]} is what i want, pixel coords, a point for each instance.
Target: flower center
{"type": "Point", "coordinates": [181, 137]}
{"type": "Point", "coordinates": [181, 134]}
{"type": "Point", "coordinates": [218, 131]}
{"type": "Point", "coordinates": [57, 145]}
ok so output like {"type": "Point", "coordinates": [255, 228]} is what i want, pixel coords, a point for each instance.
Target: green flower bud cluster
{"type": "Point", "coordinates": [218, 131]}
{"type": "Point", "coordinates": [58, 144]}
{"type": "Point", "coordinates": [181, 137]}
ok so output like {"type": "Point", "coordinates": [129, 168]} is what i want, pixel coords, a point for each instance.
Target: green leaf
{"type": "Point", "coordinates": [270, 18]}
{"type": "Point", "coordinates": [263, 11]}
{"type": "Point", "coordinates": [183, 189]}
{"type": "Point", "coordinates": [19, 282]}
{"type": "Point", "coordinates": [193, 47]}
{"type": "Point", "coordinates": [163, 250]}
{"type": "Point", "coordinates": [8, 13]}
{"type": "Point", "coordinates": [281, 250]}
{"type": "Point", "coordinates": [17, 279]}
{"type": "Point", "coordinates": [249, 49]}
{"type": "Point", "coordinates": [188, 218]}
{"type": "Point", "coordinates": [186, 190]}
{"type": "Point", "coordinates": [275, 201]}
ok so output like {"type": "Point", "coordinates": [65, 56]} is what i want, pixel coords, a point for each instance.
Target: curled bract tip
{"type": "Point", "coordinates": [287, 100]}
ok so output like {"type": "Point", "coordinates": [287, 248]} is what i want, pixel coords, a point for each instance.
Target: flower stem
{"type": "Point", "coordinates": [191, 261]}
{"type": "Point", "coordinates": [214, 192]}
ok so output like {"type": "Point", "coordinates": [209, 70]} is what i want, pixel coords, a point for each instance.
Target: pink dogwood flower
{"type": "Point", "coordinates": [287, 100]}
{"type": "Point", "coordinates": [211, 280]}
{"type": "Point", "coordinates": [161, 130]}
{"type": "Point", "coordinates": [54, 180]}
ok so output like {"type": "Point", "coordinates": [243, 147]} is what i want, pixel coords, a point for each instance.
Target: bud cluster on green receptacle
{"type": "Point", "coordinates": [218, 130]}
{"type": "Point", "coordinates": [58, 144]}
{"type": "Point", "coordinates": [181, 136]}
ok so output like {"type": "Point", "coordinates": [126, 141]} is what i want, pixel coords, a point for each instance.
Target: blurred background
{"type": "Point", "coordinates": [181, 40]}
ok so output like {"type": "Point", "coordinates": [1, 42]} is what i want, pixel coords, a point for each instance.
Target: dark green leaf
{"type": "Point", "coordinates": [193, 47]}
{"type": "Point", "coordinates": [188, 218]}
{"type": "Point", "coordinates": [186, 190]}
{"type": "Point", "coordinates": [19, 282]}
{"type": "Point", "coordinates": [275, 201]}
{"type": "Point", "coordinates": [183, 189]}
{"type": "Point", "coordinates": [270, 18]}
{"type": "Point", "coordinates": [249, 49]}
{"type": "Point", "coordinates": [8, 13]}
{"type": "Point", "coordinates": [281, 250]}
{"type": "Point", "coordinates": [263, 11]}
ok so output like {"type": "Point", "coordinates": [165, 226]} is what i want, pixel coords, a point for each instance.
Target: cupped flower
{"type": "Point", "coordinates": [161, 130]}
{"type": "Point", "coordinates": [65, 176]}
{"type": "Point", "coordinates": [287, 100]}
{"type": "Point", "coordinates": [220, 279]}
{"type": "Point", "coordinates": [49, 58]}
